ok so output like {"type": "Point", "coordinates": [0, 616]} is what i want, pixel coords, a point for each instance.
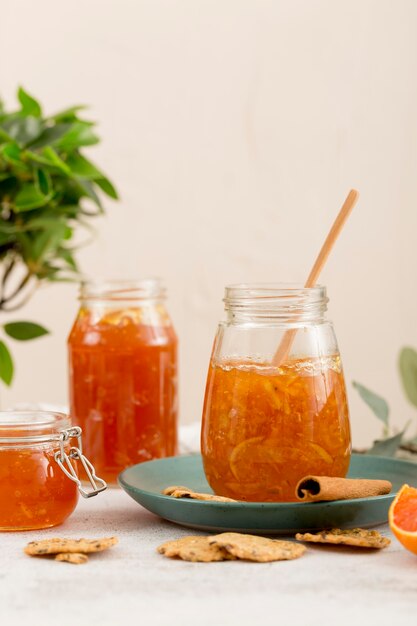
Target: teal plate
{"type": "Point", "coordinates": [144, 483]}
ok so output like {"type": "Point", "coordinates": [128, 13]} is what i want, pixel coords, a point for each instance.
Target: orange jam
{"type": "Point", "coordinates": [34, 492]}
{"type": "Point", "coordinates": [123, 386]}
{"type": "Point", "coordinates": [265, 428]}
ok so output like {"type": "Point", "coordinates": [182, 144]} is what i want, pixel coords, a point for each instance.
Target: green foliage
{"type": "Point", "coordinates": [408, 373]}
{"type": "Point", "coordinates": [49, 190]}
{"type": "Point", "coordinates": [378, 405]}
{"type": "Point", "coordinates": [23, 331]}
{"type": "Point", "coordinates": [6, 364]}
{"type": "Point", "coordinates": [389, 445]}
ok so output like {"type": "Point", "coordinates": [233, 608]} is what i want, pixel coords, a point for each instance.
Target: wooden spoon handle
{"type": "Point", "coordinates": [284, 347]}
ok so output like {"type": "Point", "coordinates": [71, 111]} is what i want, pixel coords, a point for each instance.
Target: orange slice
{"type": "Point", "coordinates": [402, 517]}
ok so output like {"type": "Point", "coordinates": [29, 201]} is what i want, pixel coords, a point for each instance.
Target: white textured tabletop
{"type": "Point", "coordinates": [132, 584]}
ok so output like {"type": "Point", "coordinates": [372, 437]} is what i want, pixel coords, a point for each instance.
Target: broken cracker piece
{"type": "Point", "coordinates": [185, 492]}
{"type": "Point", "coordinates": [356, 537]}
{"type": "Point", "coordinates": [168, 491]}
{"type": "Point", "coordinates": [197, 549]}
{"type": "Point", "coordinates": [77, 558]}
{"type": "Point", "coordinates": [57, 546]}
{"type": "Point", "coordinates": [259, 549]}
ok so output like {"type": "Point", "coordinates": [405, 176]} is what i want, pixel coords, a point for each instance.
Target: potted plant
{"type": "Point", "coordinates": [48, 191]}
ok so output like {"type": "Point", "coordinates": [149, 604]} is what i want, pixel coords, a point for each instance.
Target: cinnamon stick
{"type": "Point", "coordinates": [328, 488]}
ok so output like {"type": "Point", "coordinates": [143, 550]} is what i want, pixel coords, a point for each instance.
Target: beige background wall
{"type": "Point", "coordinates": [233, 129]}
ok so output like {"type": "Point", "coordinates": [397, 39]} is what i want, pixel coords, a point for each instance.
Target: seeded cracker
{"type": "Point", "coordinates": [185, 492]}
{"type": "Point", "coordinates": [259, 549]}
{"type": "Point", "coordinates": [72, 557]}
{"type": "Point", "coordinates": [194, 549]}
{"type": "Point", "coordinates": [356, 537]}
{"type": "Point", "coordinates": [56, 546]}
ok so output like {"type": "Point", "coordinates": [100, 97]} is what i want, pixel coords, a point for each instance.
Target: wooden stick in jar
{"type": "Point", "coordinates": [285, 346]}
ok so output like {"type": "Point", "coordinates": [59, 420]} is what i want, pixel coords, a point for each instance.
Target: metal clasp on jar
{"type": "Point", "coordinates": [64, 461]}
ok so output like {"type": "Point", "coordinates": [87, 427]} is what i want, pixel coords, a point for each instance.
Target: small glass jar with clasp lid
{"type": "Point", "coordinates": [271, 415]}
{"type": "Point", "coordinates": [41, 468]}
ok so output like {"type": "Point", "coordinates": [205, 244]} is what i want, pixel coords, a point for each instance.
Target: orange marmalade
{"type": "Point", "coordinates": [34, 491]}
{"type": "Point", "coordinates": [265, 427]}
{"type": "Point", "coordinates": [123, 379]}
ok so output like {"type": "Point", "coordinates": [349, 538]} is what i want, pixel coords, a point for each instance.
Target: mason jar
{"type": "Point", "coordinates": [41, 469]}
{"type": "Point", "coordinates": [123, 374]}
{"type": "Point", "coordinates": [275, 406]}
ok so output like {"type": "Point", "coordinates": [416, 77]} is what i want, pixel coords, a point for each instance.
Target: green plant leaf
{"type": "Point", "coordinates": [6, 364]}
{"type": "Point", "coordinates": [106, 186]}
{"type": "Point", "coordinates": [24, 331]}
{"type": "Point", "coordinates": [80, 134]}
{"type": "Point", "coordinates": [89, 192]}
{"type": "Point", "coordinates": [68, 115]}
{"type": "Point", "coordinates": [387, 447]}
{"type": "Point", "coordinates": [51, 135]}
{"type": "Point", "coordinates": [67, 256]}
{"type": "Point", "coordinates": [43, 181]}
{"type": "Point", "coordinates": [24, 130]}
{"type": "Point", "coordinates": [30, 197]}
{"type": "Point", "coordinates": [55, 160]}
{"type": "Point", "coordinates": [48, 240]}
{"type": "Point", "coordinates": [376, 403]}
{"type": "Point", "coordinates": [12, 154]}
{"type": "Point", "coordinates": [4, 137]}
{"type": "Point", "coordinates": [408, 373]}
{"type": "Point", "coordinates": [29, 105]}
{"type": "Point", "coordinates": [80, 166]}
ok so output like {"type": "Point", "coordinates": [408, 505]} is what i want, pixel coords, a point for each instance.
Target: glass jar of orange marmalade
{"type": "Point", "coordinates": [268, 423]}
{"type": "Point", "coordinates": [39, 463]}
{"type": "Point", "coordinates": [123, 374]}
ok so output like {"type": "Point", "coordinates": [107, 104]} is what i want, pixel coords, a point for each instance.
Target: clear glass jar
{"type": "Point", "coordinates": [271, 416]}
{"type": "Point", "coordinates": [123, 374]}
{"type": "Point", "coordinates": [39, 482]}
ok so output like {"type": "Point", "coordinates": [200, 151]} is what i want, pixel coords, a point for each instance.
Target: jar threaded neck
{"type": "Point", "coordinates": [275, 301]}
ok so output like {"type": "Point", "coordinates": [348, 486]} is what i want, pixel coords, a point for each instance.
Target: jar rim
{"type": "Point", "coordinates": [122, 289]}
{"type": "Point", "coordinates": [267, 289]}
{"type": "Point", "coordinates": [32, 426]}
{"type": "Point", "coordinates": [288, 302]}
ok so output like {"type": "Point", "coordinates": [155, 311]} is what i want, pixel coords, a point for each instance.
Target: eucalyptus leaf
{"type": "Point", "coordinates": [6, 364]}
{"type": "Point", "coordinates": [376, 403]}
{"type": "Point", "coordinates": [408, 373]}
{"type": "Point", "coordinates": [24, 331]}
{"type": "Point", "coordinates": [387, 447]}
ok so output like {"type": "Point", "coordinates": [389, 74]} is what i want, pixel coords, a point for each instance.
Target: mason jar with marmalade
{"type": "Point", "coordinates": [270, 416]}
{"type": "Point", "coordinates": [123, 374]}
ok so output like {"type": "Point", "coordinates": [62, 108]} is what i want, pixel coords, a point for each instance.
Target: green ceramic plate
{"type": "Point", "coordinates": [144, 483]}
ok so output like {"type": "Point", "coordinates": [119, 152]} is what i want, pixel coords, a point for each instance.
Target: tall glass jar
{"type": "Point", "coordinates": [275, 408]}
{"type": "Point", "coordinates": [123, 374]}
